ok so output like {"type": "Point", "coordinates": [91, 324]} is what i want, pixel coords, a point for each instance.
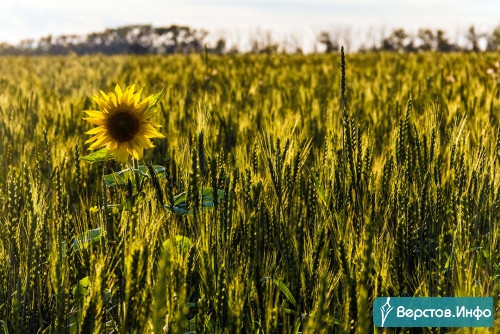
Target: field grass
{"type": "Point", "coordinates": [320, 208]}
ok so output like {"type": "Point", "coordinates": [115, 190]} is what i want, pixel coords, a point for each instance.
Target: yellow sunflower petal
{"type": "Point", "coordinates": [93, 113]}
{"type": "Point", "coordinates": [103, 105]}
{"type": "Point", "coordinates": [136, 151]}
{"type": "Point", "coordinates": [149, 98]}
{"type": "Point", "coordinates": [151, 132]}
{"type": "Point", "coordinates": [100, 142]}
{"type": "Point", "coordinates": [156, 125]}
{"type": "Point", "coordinates": [137, 96]}
{"type": "Point", "coordinates": [120, 154]}
{"type": "Point", "coordinates": [112, 145]}
{"type": "Point", "coordinates": [113, 100]}
{"type": "Point", "coordinates": [93, 138]}
{"type": "Point", "coordinates": [141, 107]}
{"type": "Point", "coordinates": [128, 98]}
{"type": "Point", "coordinates": [143, 141]}
{"type": "Point", "coordinates": [123, 106]}
{"type": "Point", "coordinates": [148, 114]}
{"type": "Point", "coordinates": [93, 131]}
{"type": "Point", "coordinates": [104, 96]}
{"type": "Point", "coordinates": [118, 91]}
{"type": "Point", "coordinates": [96, 121]}
{"type": "Point", "coordinates": [130, 91]}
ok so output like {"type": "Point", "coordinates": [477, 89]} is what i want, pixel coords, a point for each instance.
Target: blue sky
{"type": "Point", "coordinates": [297, 21]}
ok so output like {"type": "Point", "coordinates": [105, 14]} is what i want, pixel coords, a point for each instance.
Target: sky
{"type": "Point", "coordinates": [296, 21]}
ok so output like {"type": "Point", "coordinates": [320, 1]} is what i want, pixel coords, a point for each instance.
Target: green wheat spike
{"type": "Point", "coordinates": [193, 187]}
{"type": "Point", "coordinates": [255, 159]}
{"type": "Point", "coordinates": [203, 165]}
{"type": "Point", "coordinates": [342, 79]}
{"type": "Point", "coordinates": [156, 185]}
{"type": "Point", "coordinates": [48, 155]}
{"type": "Point", "coordinates": [214, 182]}
{"type": "Point", "coordinates": [78, 176]}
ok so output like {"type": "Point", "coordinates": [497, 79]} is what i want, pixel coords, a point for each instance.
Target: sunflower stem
{"type": "Point", "coordinates": [135, 165]}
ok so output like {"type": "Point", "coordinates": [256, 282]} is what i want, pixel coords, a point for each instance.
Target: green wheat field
{"type": "Point", "coordinates": [288, 193]}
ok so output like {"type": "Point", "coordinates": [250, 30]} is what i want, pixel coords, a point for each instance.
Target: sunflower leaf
{"type": "Point", "coordinates": [116, 179]}
{"type": "Point", "coordinates": [130, 203]}
{"type": "Point", "coordinates": [182, 243]}
{"type": "Point", "coordinates": [143, 170]}
{"type": "Point", "coordinates": [121, 178]}
{"type": "Point", "coordinates": [87, 238]}
{"type": "Point", "coordinates": [207, 201]}
{"type": "Point", "coordinates": [97, 156]}
{"type": "Point", "coordinates": [81, 288]}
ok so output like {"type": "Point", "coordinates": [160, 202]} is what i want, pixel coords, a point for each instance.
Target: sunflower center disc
{"type": "Point", "coordinates": [123, 126]}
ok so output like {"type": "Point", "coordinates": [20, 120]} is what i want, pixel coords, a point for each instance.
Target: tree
{"type": "Point", "coordinates": [8, 50]}
{"type": "Point", "coordinates": [325, 39]}
{"type": "Point", "coordinates": [399, 37]}
{"type": "Point", "coordinates": [143, 39]}
{"type": "Point", "coordinates": [426, 37]}
{"type": "Point", "coordinates": [45, 44]}
{"type": "Point", "coordinates": [410, 46]}
{"type": "Point", "coordinates": [442, 42]}
{"type": "Point", "coordinates": [220, 46]}
{"type": "Point", "coordinates": [262, 42]}
{"type": "Point", "coordinates": [494, 40]}
{"type": "Point", "coordinates": [473, 39]}
{"type": "Point", "coordinates": [27, 45]}
{"type": "Point", "coordinates": [397, 41]}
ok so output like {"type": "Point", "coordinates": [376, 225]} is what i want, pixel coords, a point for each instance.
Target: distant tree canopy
{"type": "Point", "coordinates": [427, 40]}
{"type": "Point", "coordinates": [132, 39]}
{"type": "Point", "coordinates": [146, 39]}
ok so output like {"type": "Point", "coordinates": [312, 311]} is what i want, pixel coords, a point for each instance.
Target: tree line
{"type": "Point", "coordinates": [425, 40]}
{"type": "Point", "coordinates": [146, 39]}
{"type": "Point", "coordinates": [131, 39]}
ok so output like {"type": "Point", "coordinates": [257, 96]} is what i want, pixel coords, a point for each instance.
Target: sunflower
{"type": "Point", "coordinates": [123, 124]}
